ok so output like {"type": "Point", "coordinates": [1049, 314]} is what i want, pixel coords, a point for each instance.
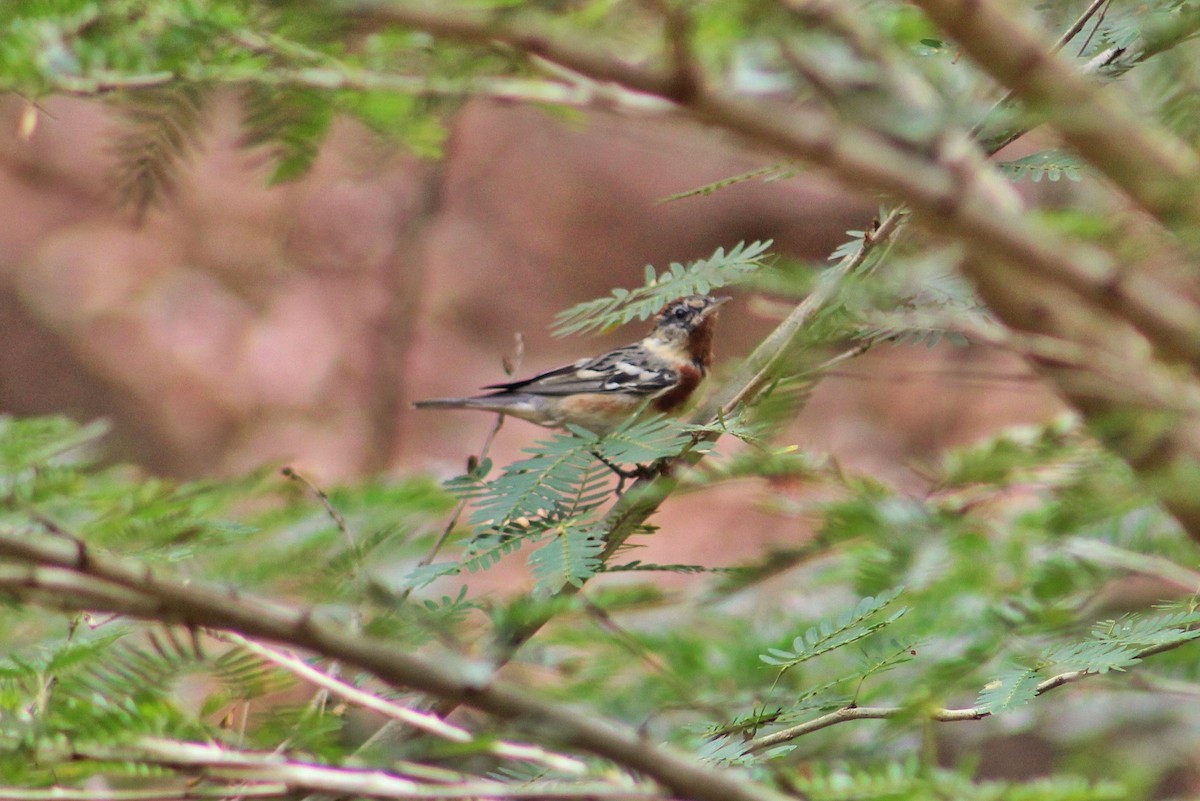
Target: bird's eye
{"type": "Point", "coordinates": [680, 312]}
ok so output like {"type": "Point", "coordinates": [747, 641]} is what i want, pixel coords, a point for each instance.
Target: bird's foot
{"type": "Point", "coordinates": [638, 471]}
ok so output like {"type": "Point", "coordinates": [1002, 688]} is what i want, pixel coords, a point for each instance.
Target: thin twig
{"type": "Point", "coordinates": [652, 660]}
{"type": "Point", "coordinates": [511, 364]}
{"type": "Point", "coordinates": [997, 142]}
{"type": "Point", "coordinates": [1099, 21]}
{"type": "Point", "coordinates": [1103, 553]}
{"type": "Point", "coordinates": [440, 542]}
{"type": "Point", "coordinates": [576, 94]}
{"type": "Point", "coordinates": [338, 519]}
{"type": "Point", "coordinates": [420, 720]}
{"type": "Point", "coordinates": [938, 715]}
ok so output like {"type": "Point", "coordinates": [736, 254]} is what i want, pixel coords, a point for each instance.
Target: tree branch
{"type": "Point", "coordinates": [218, 793]}
{"type": "Point", "coordinates": [956, 193]}
{"type": "Point", "coordinates": [423, 721]}
{"type": "Point", "coordinates": [1156, 171]}
{"type": "Point", "coordinates": [445, 676]}
{"type": "Point", "coordinates": [215, 762]}
{"type": "Point", "coordinates": [849, 713]}
{"type": "Point", "coordinates": [577, 94]}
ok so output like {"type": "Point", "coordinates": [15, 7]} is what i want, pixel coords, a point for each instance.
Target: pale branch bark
{"type": "Point", "coordinates": [1158, 172]}
{"type": "Point", "coordinates": [424, 721]}
{"type": "Point", "coordinates": [849, 713]}
{"type": "Point", "coordinates": [219, 793]}
{"type": "Point", "coordinates": [445, 676]}
{"type": "Point", "coordinates": [578, 94]}
{"type": "Point", "coordinates": [218, 763]}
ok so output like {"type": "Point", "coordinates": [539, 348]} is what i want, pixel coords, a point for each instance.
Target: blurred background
{"type": "Point", "coordinates": [239, 324]}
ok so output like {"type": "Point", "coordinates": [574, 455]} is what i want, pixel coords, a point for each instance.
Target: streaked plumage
{"type": "Point", "coordinates": [660, 371]}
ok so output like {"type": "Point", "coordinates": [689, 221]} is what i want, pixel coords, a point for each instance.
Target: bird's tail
{"type": "Point", "coordinates": [455, 403]}
{"type": "Point", "coordinates": [527, 407]}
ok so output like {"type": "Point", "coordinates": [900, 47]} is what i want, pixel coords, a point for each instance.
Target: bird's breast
{"type": "Point", "coordinates": [689, 378]}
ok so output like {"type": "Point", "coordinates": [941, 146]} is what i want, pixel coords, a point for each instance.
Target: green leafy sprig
{"type": "Point", "coordinates": [696, 278]}
{"type": "Point", "coordinates": [832, 633]}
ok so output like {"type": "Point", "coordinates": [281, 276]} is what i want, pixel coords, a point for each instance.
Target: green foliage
{"type": "Point", "coordinates": [850, 626]}
{"type": "Point", "coordinates": [697, 278]}
{"type": "Point", "coordinates": [1049, 164]}
{"type": "Point", "coordinates": [553, 498]}
{"type": "Point", "coordinates": [1114, 646]}
{"type": "Point", "coordinates": [908, 779]}
{"type": "Point", "coordinates": [766, 174]}
{"type": "Point", "coordinates": [571, 556]}
{"type": "Point", "coordinates": [108, 680]}
{"type": "Point", "coordinates": [159, 128]}
{"type": "Point", "coordinates": [291, 122]}
{"type": "Point", "coordinates": [1013, 551]}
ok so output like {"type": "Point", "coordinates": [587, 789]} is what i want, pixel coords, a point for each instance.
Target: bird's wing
{"type": "Point", "coordinates": [629, 370]}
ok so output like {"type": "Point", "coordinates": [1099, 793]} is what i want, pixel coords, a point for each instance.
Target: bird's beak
{"type": "Point", "coordinates": [716, 304]}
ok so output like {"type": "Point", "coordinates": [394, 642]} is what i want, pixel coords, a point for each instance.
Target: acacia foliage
{"type": "Point", "coordinates": [962, 604]}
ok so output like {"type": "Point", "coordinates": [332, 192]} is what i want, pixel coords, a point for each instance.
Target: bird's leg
{"type": "Point", "coordinates": [624, 474]}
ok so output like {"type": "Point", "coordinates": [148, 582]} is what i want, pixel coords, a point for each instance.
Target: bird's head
{"type": "Point", "coordinates": [679, 319]}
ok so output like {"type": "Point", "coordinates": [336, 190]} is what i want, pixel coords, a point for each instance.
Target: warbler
{"type": "Point", "coordinates": [659, 372]}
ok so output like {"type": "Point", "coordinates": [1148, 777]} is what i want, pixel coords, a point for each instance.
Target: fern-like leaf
{"type": "Point", "coordinates": [1015, 687]}
{"type": "Point", "coordinates": [849, 247]}
{"type": "Point", "coordinates": [158, 129]}
{"type": "Point", "coordinates": [485, 551]}
{"type": "Point", "coordinates": [1049, 164]}
{"type": "Point", "coordinates": [1094, 657]}
{"type": "Point", "coordinates": [292, 122]}
{"type": "Point", "coordinates": [697, 278]}
{"type": "Point", "coordinates": [770, 173]}
{"type": "Point", "coordinates": [43, 442]}
{"type": "Point", "coordinates": [561, 479]}
{"type": "Point", "coordinates": [1149, 631]}
{"type": "Point", "coordinates": [643, 440]}
{"type": "Point", "coordinates": [570, 556]}
{"type": "Point", "coordinates": [850, 626]}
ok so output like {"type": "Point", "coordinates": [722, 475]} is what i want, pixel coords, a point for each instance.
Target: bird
{"type": "Point", "coordinates": [658, 373]}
